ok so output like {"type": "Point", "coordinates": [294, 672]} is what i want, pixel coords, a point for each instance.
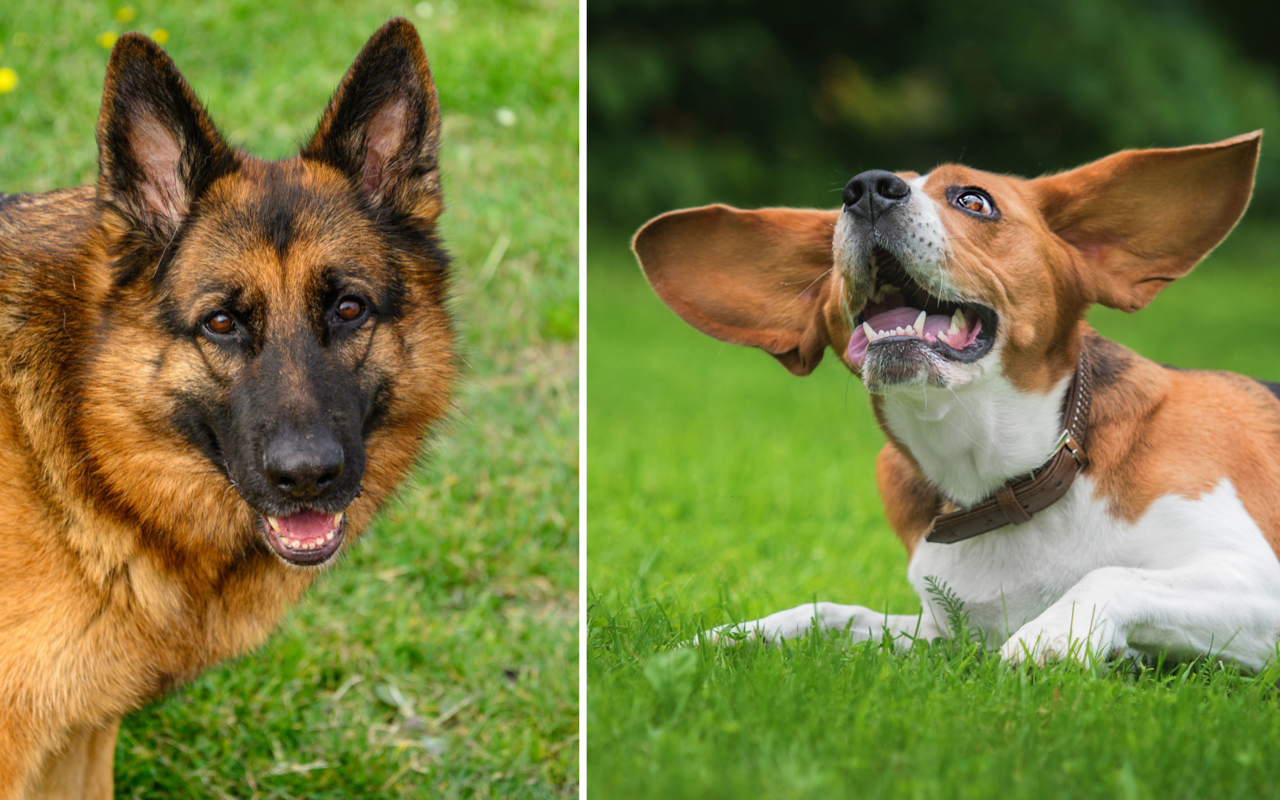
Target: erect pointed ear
{"type": "Point", "coordinates": [382, 127]}
{"type": "Point", "coordinates": [758, 278]}
{"type": "Point", "coordinates": [1143, 218]}
{"type": "Point", "coordinates": [157, 148]}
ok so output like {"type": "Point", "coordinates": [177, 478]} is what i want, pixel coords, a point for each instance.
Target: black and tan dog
{"type": "Point", "coordinates": [213, 371]}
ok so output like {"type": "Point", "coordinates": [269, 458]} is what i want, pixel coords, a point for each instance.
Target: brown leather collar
{"type": "Point", "coordinates": [1020, 498]}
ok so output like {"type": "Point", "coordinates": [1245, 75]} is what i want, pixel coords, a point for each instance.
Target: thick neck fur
{"type": "Point", "coordinates": [970, 440]}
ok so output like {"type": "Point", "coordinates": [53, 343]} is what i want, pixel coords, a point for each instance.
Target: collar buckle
{"type": "Point", "coordinates": [1072, 446]}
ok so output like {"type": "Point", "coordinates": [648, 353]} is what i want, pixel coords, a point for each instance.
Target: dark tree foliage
{"type": "Point", "coordinates": [754, 103]}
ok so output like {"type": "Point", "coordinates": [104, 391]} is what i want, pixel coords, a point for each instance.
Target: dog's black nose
{"type": "Point", "coordinates": [874, 192]}
{"type": "Point", "coordinates": [303, 466]}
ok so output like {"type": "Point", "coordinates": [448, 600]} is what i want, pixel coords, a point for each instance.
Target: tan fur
{"type": "Point", "coordinates": [1114, 232]}
{"type": "Point", "coordinates": [910, 502]}
{"type": "Point", "coordinates": [129, 562]}
{"type": "Point", "coordinates": [784, 299]}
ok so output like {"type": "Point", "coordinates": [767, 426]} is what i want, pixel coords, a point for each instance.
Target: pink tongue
{"type": "Point", "coordinates": [935, 324]}
{"type": "Point", "coordinates": [901, 317]}
{"type": "Point", "coordinates": [306, 525]}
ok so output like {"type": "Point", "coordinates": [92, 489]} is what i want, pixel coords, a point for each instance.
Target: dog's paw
{"type": "Point", "coordinates": [1037, 647]}
{"type": "Point", "coordinates": [1043, 640]}
{"type": "Point", "coordinates": [734, 635]}
{"type": "Point", "coordinates": [789, 624]}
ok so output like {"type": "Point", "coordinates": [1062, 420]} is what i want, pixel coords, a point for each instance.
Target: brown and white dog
{"type": "Point", "coordinates": [959, 297]}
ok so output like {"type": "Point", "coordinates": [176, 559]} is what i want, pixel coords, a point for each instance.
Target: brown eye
{"type": "Point", "coordinates": [220, 323]}
{"type": "Point", "coordinates": [350, 309]}
{"type": "Point", "coordinates": [972, 201]}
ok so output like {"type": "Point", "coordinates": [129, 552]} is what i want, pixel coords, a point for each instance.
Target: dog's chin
{"type": "Point", "coordinates": [903, 362]}
{"type": "Point", "coordinates": [306, 538]}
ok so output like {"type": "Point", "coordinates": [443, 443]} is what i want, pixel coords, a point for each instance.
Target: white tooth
{"type": "Point", "coordinates": [957, 319]}
{"type": "Point", "coordinates": [910, 331]}
{"type": "Point", "coordinates": [869, 331]}
{"type": "Point", "coordinates": [337, 518]}
{"type": "Point", "coordinates": [274, 523]}
{"type": "Point", "coordinates": [329, 537]}
{"type": "Point", "coordinates": [889, 288]}
{"type": "Point", "coordinates": [920, 323]}
{"type": "Point", "coordinates": [901, 330]}
{"type": "Point", "coordinates": [953, 329]}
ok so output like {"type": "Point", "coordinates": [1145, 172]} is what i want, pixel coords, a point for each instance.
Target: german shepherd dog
{"type": "Point", "coordinates": [213, 371]}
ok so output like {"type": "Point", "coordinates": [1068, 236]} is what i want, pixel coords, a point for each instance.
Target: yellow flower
{"type": "Point", "coordinates": [8, 80]}
{"type": "Point", "coordinates": [160, 35]}
{"type": "Point", "coordinates": [107, 39]}
{"type": "Point", "coordinates": [126, 13]}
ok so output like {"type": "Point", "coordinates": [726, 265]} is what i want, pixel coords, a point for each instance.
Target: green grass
{"type": "Point", "coordinates": [722, 488]}
{"type": "Point", "coordinates": [441, 657]}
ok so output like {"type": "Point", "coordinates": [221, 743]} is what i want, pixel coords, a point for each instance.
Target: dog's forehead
{"type": "Point", "coordinates": [1013, 195]}
{"type": "Point", "coordinates": [958, 176]}
{"type": "Point", "coordinates": [283, 202]}
{"type": "Point", "coordinates": [946, 176]}
{"type": "Point", "coordinates": [278, 223]}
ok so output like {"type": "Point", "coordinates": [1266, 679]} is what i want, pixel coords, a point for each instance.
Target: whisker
{"type": "Point", "coordinates": [811, 285]}
{"type": "Point", "coordinates": [946, 254]}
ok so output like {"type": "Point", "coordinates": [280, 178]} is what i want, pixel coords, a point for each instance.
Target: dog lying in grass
{"type": "Point", "coordinates": [1078, 499]}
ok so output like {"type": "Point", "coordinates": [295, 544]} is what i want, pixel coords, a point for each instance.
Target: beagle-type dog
{"type": "Point", "coordinates": [1080, 500]}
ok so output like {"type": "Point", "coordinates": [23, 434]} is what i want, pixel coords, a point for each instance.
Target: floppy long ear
{"type": "Point", "coordinates": [1143, 218]}
{"type": "Point", "coordinates": [157, 148]}
{"type": "Point", "coordinates": [758, 278]}
{"type": "Point", "coordinates": [382, 127]}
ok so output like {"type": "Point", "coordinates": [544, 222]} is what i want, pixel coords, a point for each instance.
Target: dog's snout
{"type": "Point", "coordinates": [301, 466]}
{"type": "Point", "coordinates": [870, 194]}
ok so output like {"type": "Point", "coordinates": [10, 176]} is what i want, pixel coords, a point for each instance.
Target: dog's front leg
{"type": "Point", "coordinates": [860, 622]}
{"type": "Point", "coordinates": [1225, 608]}
{"type": "Point", "coordinates": [81, 769]}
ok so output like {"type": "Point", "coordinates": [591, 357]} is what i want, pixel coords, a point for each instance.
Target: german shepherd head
{"type": "Point", "coordinates": [276, 327]}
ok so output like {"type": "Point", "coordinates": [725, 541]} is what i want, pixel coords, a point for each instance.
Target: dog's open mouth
{"type": "Point", "coordinates": [900, 310]}
{"type": "Point", "coordinates": [307, 537]}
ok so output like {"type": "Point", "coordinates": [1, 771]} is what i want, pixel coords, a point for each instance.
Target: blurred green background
{"type": "Point", "coordinates": [440, 657]}
{"type": "Point", "coordinates": [755, 102]}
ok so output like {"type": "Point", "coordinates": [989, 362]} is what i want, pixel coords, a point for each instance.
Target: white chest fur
{"type": "Point", "coordinates": [971, 439]}
{"type": "Point", "coordinates": [1192, 575]}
